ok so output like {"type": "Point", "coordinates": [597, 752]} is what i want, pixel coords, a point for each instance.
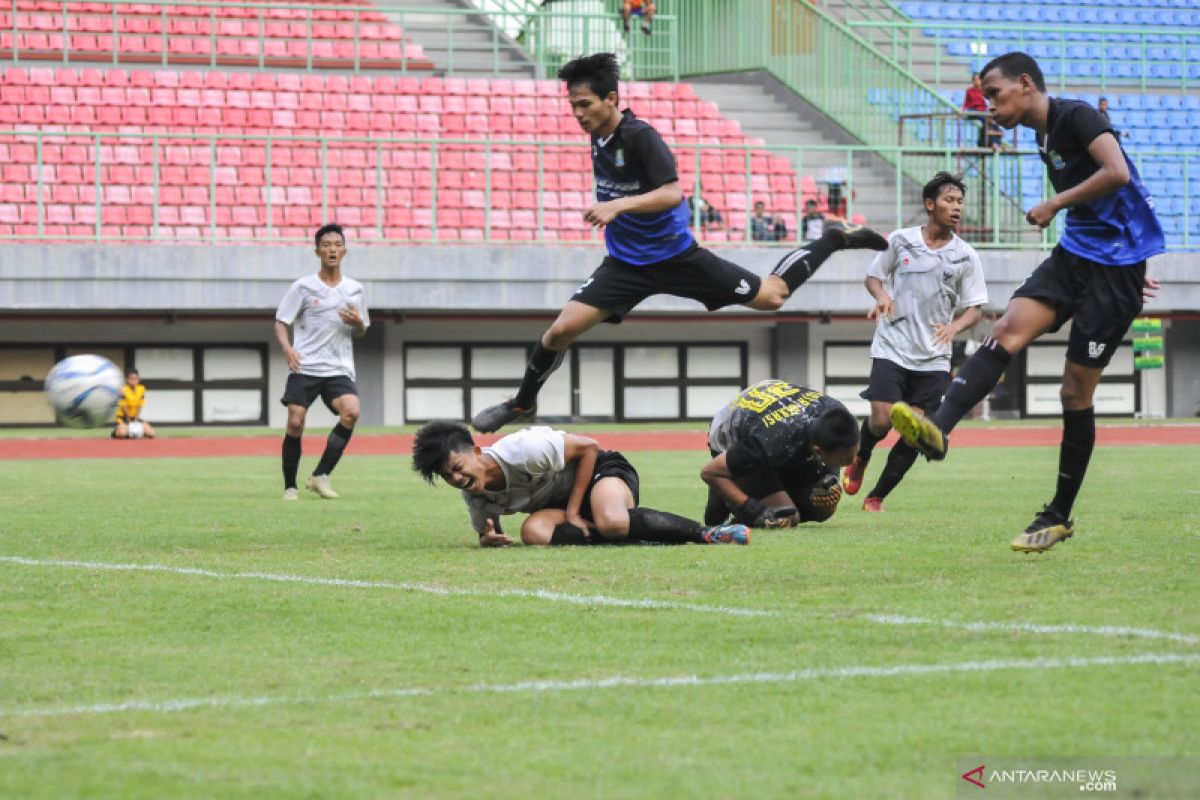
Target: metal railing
{"type": "Point", "coordinates": [323, 36]}
{"type": "Point", "coordinates": [212, 188]}
{"type": "Point", "coordinates": [1068, 54]}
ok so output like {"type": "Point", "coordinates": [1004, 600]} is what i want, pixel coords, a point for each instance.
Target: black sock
{"type": "Point", "coordinates": [867, 439]}
{"type": "Point", "coordinates": [291, 460]}
{"type": "Point", "coordinates": [335, 445]}
{"type": "Point", "coordinates": [799, 265]}
{"type": "Point", "coordinates": [565, 533]}
{"type": "Point", "coordinates": [900, 460]}
{"type": "Point", "coordinates": [542, 362]}
{"type": "Point", "coordinates": [649, 525]}
{"type": "Point", "coordinates": [716, 510]}
{"type": "Point", "coordinates": [1079, 437]}
{"type": "Point", "coordinates": [977, 376]}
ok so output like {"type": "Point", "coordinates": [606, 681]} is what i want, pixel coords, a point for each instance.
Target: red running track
{"type": "Point", "coordinates": [401, 444]}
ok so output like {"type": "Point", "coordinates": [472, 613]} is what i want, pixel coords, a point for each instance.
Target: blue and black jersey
{"type": "Point", "coordinates": [1116, 230]}
{"type": "Point", "coordinates": [635, 160]}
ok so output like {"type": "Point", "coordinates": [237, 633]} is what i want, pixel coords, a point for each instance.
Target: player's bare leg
{"type": "Point", "coordinates": [573, 321]}
{"type": "Point", "coordinates": [348, 409]}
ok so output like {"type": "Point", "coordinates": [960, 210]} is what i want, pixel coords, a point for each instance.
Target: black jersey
{"type": "Point", "coordinates": [767, 427]}
{"type": "Point", "coordinates": [1117, 229]}
{"type": "Point", "coordinates": [635, 160]}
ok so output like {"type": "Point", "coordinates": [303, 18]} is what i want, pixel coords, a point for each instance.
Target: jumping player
{"type": "Point", "coordinates": [651, 250]}
{"type": "Point", "coordinates": [326, 309]}
{"type": "Point", "coordinates": [930, 273]}
{"type": "Point", "coordinates": [574, 492]}
{"type": "Point", "coordinates": [1096, 276]}
{"type": "Point", "coordinates": [776, 451]}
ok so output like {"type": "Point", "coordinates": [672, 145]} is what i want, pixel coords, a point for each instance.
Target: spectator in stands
{"type": "Point", "coordinates": [766, 227]}
{"type": "Point", "coordinates": [326, 309]}
{"type": "Point", "coordinates": [1102, 107]}
{"type": "Point", "coordinates": [812, 224]}
{"type": "Point", "coordinates": [976, 107]}
{"type": "Point", "coordinates": [1095, 277]}
{"type": "Point", "coordinates": [130, 424]}
{"type": "Point", "coordinates": [640, 204]}
{"type": "Point", "coordinates": [642, 8]}
{"type": "Point", "coordinates": [708, 214]}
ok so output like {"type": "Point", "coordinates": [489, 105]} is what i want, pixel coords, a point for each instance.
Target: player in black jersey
{"type": "Point", "coordinates": [777, 449]}
{"type": "Point", "coordinates": [651, 250]}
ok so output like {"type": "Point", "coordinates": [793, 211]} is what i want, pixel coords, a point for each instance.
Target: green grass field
{"type": "Point", "coordinates": [775, 670]}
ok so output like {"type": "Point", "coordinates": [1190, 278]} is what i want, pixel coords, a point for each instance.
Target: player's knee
{"type": "Point", "coordinates": [558, 336]}
{"type": "Point", "coordinates": [611, 524]}
{"type": "Point", "coordinates": [1074, 394]}
{"type": "Point", "coordinates": [535, 530]}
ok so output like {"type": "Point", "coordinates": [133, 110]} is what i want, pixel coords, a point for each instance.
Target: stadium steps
{"type": "Point", "coordinates": [768, 111]}
{"type": "Point", "coordinates": [472, 51]}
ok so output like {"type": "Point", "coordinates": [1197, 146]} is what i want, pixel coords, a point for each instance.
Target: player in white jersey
{"type": "Point", "coordinates": [326, 310]}
{"type": "Point", "coordinates": [925, 277]}
{"type": "Point", "coordinates": [574, 492]}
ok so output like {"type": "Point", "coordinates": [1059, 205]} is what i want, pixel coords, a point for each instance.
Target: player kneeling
{"type": "Point", "coordinates": [574, 492]}
{"type": "Point", "coordinates": [777, 449]}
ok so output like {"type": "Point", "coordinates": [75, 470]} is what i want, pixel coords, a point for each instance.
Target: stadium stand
{"type": "Point", "coordinates": [211, 184]}
{"type": "Point", "coordinates": [213, 34]}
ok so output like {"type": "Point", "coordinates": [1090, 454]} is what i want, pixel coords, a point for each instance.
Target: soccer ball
{"type": "Point", "coordinates": [135, 430]}
{"type": "Point", "coordinates": [83, 391]}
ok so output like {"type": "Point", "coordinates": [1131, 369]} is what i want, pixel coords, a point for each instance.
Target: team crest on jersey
{"type": "Point", "coordinates": [947, 274]}
{"type": "Point", "coordinates": [1056, 160]}
{"type": "Point", "coordinates": [620, 157]}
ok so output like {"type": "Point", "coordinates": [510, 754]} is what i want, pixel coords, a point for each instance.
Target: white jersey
{"type": "Point", "coordinates": [321, 338]}
{"type": "Point", "coordinates": [927, 286]}
{"type": "Point", "coordinates": [536, 475]}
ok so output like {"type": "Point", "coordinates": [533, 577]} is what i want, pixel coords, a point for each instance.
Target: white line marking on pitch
{"type": "Point", "coordinates": [1111, 631]}
{"type": "Point", "coordinates": [619, 681]}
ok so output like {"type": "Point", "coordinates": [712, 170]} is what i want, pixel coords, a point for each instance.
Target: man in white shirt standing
{"type": "Point", "coordinates": [326, 310]}
{"type": "Point", "coordinates": [925, 277]}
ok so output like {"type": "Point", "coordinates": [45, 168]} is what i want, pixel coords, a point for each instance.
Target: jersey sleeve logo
{"type": "Point", "coordinates": [620, 157]}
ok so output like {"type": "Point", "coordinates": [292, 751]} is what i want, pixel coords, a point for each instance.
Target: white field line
{"type": "Point", "coordinates": [1110, 631]}
{"type": "Point", "coordinates": [618, 682]}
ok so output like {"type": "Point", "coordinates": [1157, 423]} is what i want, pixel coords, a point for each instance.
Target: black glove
{"type": "Point", "coordinates": [756, 515]}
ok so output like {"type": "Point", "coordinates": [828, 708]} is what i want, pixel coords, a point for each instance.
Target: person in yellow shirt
{"type": "Point", "coordinates": [129, 410]}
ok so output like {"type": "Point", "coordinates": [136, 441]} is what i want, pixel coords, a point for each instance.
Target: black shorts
{"type": "Point", "coordinates": [891, 383]}
{"type": "Point", "coordinates": [1103, 301]}
{"type": "Point", "coordinates": [696, 274]}
{"type": "Point", "coordinates": [796, 483]}
{"type": "Point", "coordinates": [609, 464]}
{"type": "Point", "coordinates": [302, 390]}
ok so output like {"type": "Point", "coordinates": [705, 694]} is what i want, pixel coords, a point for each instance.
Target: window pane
{"type": "Point", "coordinates": [596, 390]}
{"type": "Point", "coordinates": [848, 361]}
{"type": "Point", "coordinates": [25, 365]}
{"type": "Point", "coordinates": [223, 364]}
{"type": "Point", "coordinates": [24, 408]}
{"type": "Point", "coordinates": [170, 405]}
{"type": "Point", "coordinates": [1045, 360]}
{"type": "Point", "coordinates": [432, 403]}
{"type": "Point", "coordinates": [231, 405]}
{"type": "Point", "coordinates": [433, 362]}
{"type": "Point", "coordinates": [848, 395]}
{"type": "Point", "coordinates": [651, 362]}
{"type": "Point", "coordinates": [498, 362]}
{"type": "Point", "coordinates": [651, 402]}
{"type": "Point", "coordinates": [704, 401]}
{"type": "Point", "coordinates": [484, 396]}
{"type": "Point", "coordinates": [714, 362]}
{"type": "Point", "coordinates": [165, 364]}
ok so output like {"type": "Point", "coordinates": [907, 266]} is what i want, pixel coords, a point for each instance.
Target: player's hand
{"type": "Point", "coordinates": [1150, 289]}
{"type": "Point", "coordinates": [756, 515]}
{"type": "Point", "coordinates": [579, 522]}
{"type": "Point", "coordinates": [491, 538]}
{"type": "Point", "coordinates": [943, 334]}
{"type": "Point", "coordinates": [293, 359]}
{"type": "Point", "coordinates": [601, 214]}
{"type": "Point", "coordinates": [350, 316]}
{"type": "Point", "coordinates": [1042, 214]}
{"type": "Point", "coordinates": [882, 310]}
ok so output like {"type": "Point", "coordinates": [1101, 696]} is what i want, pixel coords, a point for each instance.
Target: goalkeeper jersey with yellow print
{"type": "Point", "coordinates": [766, 427]}
{"type": "Point", "coordinates": [129, 407]}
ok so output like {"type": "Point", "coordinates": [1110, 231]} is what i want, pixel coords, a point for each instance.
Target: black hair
{"type": "Point", "coordinates": [129, 372]}
{"type": "Point", "coordinates": [934, 187]}
{"type": "Point", "coordinates": [836, 429]}
{"type": "Point", "coordinates": [332, 227]}
{"type": "Point", "coordinates": [1102, 100]}
{"type": "Point", "coordinates": [1014, 65]}
{"type": "Point", "coordinates": [433, 444]}
{"type": "Point", "coordinates": [599, 72]}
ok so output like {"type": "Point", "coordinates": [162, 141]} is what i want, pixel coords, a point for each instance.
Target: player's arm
{"type": "Point", "coordinates": [945, 334]}
{"type": "Point", "coordinates": [882, 266]}
{"type": "Point", "coordinates": [716, 474]}
{"type": "Point", "coordinates": [1113, 173]}
{"type": "Point", "coordinates": [283, 336]}
{"type": "Point", "coordinates": [719, 474]}
{"type": "Point", "coordinates": [582, 452]}
{"type": "Point", "coordinates": [486, 524]}
{"type": "Point", "coordinates": [666, 196]}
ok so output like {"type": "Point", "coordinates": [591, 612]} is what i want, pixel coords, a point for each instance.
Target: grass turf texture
{"type": "Point", "coordinates": [74, 637]}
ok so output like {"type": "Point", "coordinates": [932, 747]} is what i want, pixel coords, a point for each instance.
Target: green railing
{"type": "Point", "coordinates": [320, 36]}
{"type": "Point", "coordinates": [211, 188]}
{"type": "Point", "coordinates": [1056, 47]}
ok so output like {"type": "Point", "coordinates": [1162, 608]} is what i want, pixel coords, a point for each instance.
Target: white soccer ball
{"type": "Point", "coordinates": [135, 430]}
{"type": "Point", "coordinates": [84, 390]}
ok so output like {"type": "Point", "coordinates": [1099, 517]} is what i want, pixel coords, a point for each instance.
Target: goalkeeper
{"type": "Point", "coordinates": [777, 449]}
